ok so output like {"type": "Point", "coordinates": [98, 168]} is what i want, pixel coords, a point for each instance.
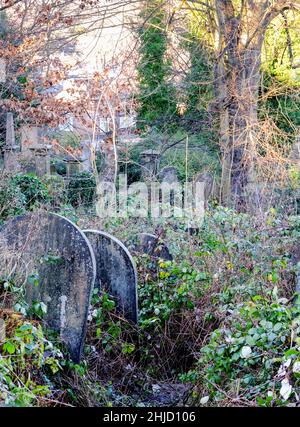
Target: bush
{"type": "Point", "coordinates": [59, 166]}
{"type": "Point", "coordinates": [33, 189]}
{"type": "Point", "coordinates": [26, 346]}
{"type": "Point", "coordinates": [247, 354]}
{"type": "Point", "coordinates": [56, 188]}
{"type": "Point", "coordinates": [82, 189]}
{"type": "Point", "coordinates": [12, 201]}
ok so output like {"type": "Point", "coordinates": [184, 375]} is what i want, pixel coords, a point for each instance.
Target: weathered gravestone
{"type": "Point", "coordinates": [61, 258]}
{"type": "Point", "coordinates": [74, 166]}
{"type": "Point", "coordinates": [35, 153]}
{"type": "Point", "coordinates": [109, 164]}
{"type": "Point", "coordinates": [30, 137]}
{"type": "Point", "coordinates": [170, 191]}
{"type": "Point", "coordinates": [116, 272]}
{"type": "Point", "coordinates": [169, 175]}
{"type": "Point", "coordinates": [151, 245]}
{"type": "Point", "coordinates": [149, 160]}
{"type": "Point", "coordinates": [208, 181]}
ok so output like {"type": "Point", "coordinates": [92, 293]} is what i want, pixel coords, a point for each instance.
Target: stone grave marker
{"type": "Point", "coordinates": [116, 272]}
{"type": "Point", "coordinates": [59, 255]}
{"type": "Point", "coordinates": [149, 160]}
{"type": "Point", "coordinates": [169, 175]}
{"type": "Point", "coordinates": [74, 166]}
{"type": "Point", "coordinates": [208, 181]}
{"type": "Point", "coordinates": [30, 136]}
{"type": "Point", "coordinates": [35, 153]}
{"type": "Point", "coordinates": [151, 245]}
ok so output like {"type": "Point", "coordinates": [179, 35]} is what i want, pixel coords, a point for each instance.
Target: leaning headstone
{"type": "Point", "coordinates": [11, 149]}
{"type": "Point", "coordinates": [58, 255]}
{"type": "Point", "coordinates": [116, 272]}
{"type": "Point", "coordinates": [151, 245]}
{"type": "Point", "coordinates": [169, 175]}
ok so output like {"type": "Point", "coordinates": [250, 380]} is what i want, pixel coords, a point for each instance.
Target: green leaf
{"type": "Point", "coordinates": [9, 347]}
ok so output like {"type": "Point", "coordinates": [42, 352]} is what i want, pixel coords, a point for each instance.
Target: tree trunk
{"type": "Point", "coordinates": [243, 85]}
{"type": "Point", "coordinates": [238, 77]}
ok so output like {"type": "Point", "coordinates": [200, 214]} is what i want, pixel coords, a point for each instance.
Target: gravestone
{"type": "Point", "coordinates": [116, 272]}
{"type": "Point", "coordinates": [170, 184]}
{"type": "Point", "coordinates": [42, 160]}
{"type": "Point", "coordinates": [149, 160]}
{"type": "Point", "coordinates": [35, 154]}
{"type": "Point", "coordinates": [169, 175]}
{"type": "Point", "coordinates": [30, 137]}
{"type": "Point", "coordinates": [74, 166]}
{"type": "Point", "coordinates": [208, 181]}
{"type": "Point", "coordinates": [109, 164]}
{"type": "Point", "coordinates": [62, 259]}
{"type": "Point", "coordinates": [11, 149]}
{"type": "Point", "coordinates": [151, 245]}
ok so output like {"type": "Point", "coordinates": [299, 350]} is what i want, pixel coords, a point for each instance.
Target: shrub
{"type": "Point", "coordinates": [82, 189]}
{"type": "Point", "coordinates": [244, 356]}
{"type": "Point", "coordinates": [12, 201]}
{"type": "Point", "coordinates": [33, 189]}
{"type": "Point", "coordinates": [56, 189]}
{"type": "Point", "coordinates": [26, 346]}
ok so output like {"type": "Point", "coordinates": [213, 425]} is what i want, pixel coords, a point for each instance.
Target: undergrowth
{"type": "Point", "coordinates": [219, 325]}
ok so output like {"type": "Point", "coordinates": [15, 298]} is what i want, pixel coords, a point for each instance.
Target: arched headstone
{"type": "Point", "coordinates": [116, 272]}
{"type": "Point", "coordinates": [151, 245]}
{"type": "Point", "coordinates": [62, 259]}
{"type": "Point", "coordinates": [208, 181]}
{"type": "Point", "coordinates": [169, 175]}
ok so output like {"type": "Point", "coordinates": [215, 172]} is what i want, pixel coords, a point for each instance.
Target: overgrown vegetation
{"type": "Point", "coordinates": [219, 323]}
